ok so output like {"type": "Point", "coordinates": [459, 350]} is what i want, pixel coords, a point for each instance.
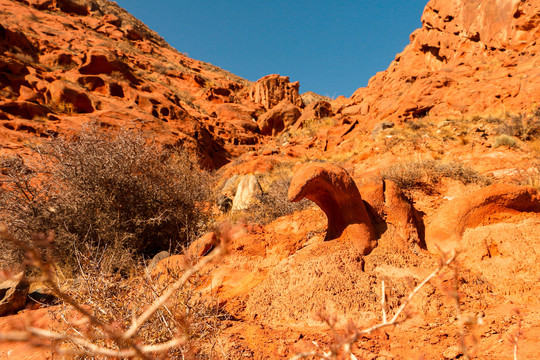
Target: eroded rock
{"type": "Point", "coordinates": [13, 294]}
{"type": "Point", "coordinates": [248, 193]}
{"type": "Point", "coordinates": [334, 191]}
{"type": "Point", "coordinates": [485, 206]}
{"type": "Point", "coordinates": [273, 89]}
{"type": "Point", "coordinates": [278, 119]}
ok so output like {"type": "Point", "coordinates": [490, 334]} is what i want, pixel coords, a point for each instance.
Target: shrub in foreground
{"type": "Point", "coordinates": [110, 191]}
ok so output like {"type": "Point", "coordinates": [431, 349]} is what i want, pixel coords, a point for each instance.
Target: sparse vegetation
{"type": "Point", "coordinates": [110, 192]}
{"type": "Point", "coordinates": [425, 174]}
{"type": "Point", "coordinates": [505, 140]}
{"type": "Point", "coordinates": [274, 202]}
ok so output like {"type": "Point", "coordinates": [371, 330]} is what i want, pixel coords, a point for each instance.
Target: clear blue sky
{"type": "Point", "coordinates": [331, 47]}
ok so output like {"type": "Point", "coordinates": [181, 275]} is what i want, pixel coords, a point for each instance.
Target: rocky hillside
{"type": "Point", "coordinates": [424, 185]}
{"type": "Point", "coordinates": [469, 57]}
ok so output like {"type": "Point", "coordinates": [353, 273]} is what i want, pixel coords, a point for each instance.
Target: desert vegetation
{"type": "Point", "coordinates": [111, 192]}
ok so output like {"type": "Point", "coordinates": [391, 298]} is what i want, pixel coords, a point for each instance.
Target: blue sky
{"type": "Point", "coordinates": [331, 47]}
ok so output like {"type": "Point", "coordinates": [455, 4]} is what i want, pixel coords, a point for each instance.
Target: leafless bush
{"type": "Point", "coordinates": [117, 317]}
{"type": "Point", "coordinates": [274, 202]}
{"type": "Point", "coordinates": [108, 192]}
{"type": "Point", "coordinates": [523, 126]}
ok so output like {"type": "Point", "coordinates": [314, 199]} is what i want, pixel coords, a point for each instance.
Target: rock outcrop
{"type": "Point", "coordinates": [334, 191]}
{"type": "Point", "coordinates": [469, 57]}
{"type": "Point", "coordinates": [273, 89]}
{"type": "Point", "coordinates": [279, 118]}
{"type": "Point", "coordinates": [486, 206]}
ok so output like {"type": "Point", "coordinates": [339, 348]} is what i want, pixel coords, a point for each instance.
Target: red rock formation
{"type": "Point", "coordinates": [334, 191]}
{"type": "Point", "coordinates": [486, 206]}
{"type": "Point", "coordinates": [469, 57]}
{"type": "Point", "coordinates": [272, 89]}
{"type": "Point", "coordinates": [279, 118]}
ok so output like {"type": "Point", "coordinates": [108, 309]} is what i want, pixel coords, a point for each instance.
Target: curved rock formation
{"type": "Point", "coordinates": [334, 191]}
{"type": "Point", "coordinates": [486, 206]}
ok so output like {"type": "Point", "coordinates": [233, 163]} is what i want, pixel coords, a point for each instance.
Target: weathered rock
{"type": "Point", "coordinates": [383, 125]}
{"type": "Point", "coordinates": [24, 109]}
{"type": "Point", "coordinates": [61, 91]}
{"type": "Point", "coordinates": [454, 64]}
{"type": "Point", "coordinates": [224, 203]}
{"type": "Point", "coordinates": [156, 259]}
{"type": "Point", "coordinates": [278, 119]}
{"type": "Point", "coordinates": [248, 193]}
{"type": "Point", "coordinates": [273, 89]}
{"type": "Point", "coordinates": [13, 294]}
{"type": "Point", "coordinates": [203, 245]}
{"type": "Point", "coordinates": [315, 110]}
{"type": "Point", "coordinates": [488, 205]}
{"type": "Point", "coordinates": [230, 186]}
{"type": "Point", "coordinates": [30, 95]}
{"type": "Point", "coordinates": [387, 205]}
{"type": "Point", "coordinates": [334, 191]}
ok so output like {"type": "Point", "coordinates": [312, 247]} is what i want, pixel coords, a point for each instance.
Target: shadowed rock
{"type": "Point", "coordinates": [334, 191]}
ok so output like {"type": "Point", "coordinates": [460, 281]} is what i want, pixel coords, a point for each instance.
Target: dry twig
{"type": "Point", "coordinates": [346, 343]}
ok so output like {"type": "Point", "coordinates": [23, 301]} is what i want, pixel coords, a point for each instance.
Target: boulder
{"type": "Point", "coordinates": [13, 294]}
{"type": "Point", "coordinates": [315, 110]}
{"type": "Point", "coordinates": [334, 191]}
{"type": "Point", "coordinates": [485, 206]}
{"type": "Point", "coordinates": [30, 95]}
{"type": "Point", "coordinates": [156, 259]}
{"type": "Point", "coordinates": [229, 189]}
{"type": "Point", "coordinates": [248, 193]}
{"type": "Point", "coordinates": [273, 89]}
{"type": "Point", "coordinates": [278, 119]}
{"type": "Point", "coordinates": [61, 91]}
{"type": "Point", "coordinates": [383, 125]}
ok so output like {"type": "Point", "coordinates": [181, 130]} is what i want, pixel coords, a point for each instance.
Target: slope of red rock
{"type": "Point", "coordinates": [469, 57]}
{"type": "Point", "coordinates": [418, 182]}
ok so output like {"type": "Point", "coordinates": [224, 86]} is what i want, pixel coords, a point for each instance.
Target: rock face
{"type": "Point", "coordinates": [489, 205]}
{"type": "Point", "coordinates": [272, 89]}
{"type": "Point", "coordinates": [469, 57]}
{"type": "Point", "coordinates": [278, 118]}
{"type": "Point", "coordinates": [334, 191]}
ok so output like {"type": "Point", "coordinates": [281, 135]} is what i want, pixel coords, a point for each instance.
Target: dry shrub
{"type": "Point", "coordinates": [505, 140]}
{"type": "Point", "coordinates": [110, 192]}
{"type": "Point", "coordinates": [117, 300]}
{"type": "Point", "coordinates": [524, 126]}
{"type": "Point", "coordinates": [425, 174]}
{"type": "Point", "coordinates": [274, 203]}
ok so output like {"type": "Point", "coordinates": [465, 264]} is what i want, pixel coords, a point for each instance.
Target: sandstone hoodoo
{"type": "Point", "coordinates": [334, 191]}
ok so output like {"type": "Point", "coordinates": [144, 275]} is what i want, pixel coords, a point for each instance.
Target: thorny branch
{"type": "Point", "coordinates": [125, 341]}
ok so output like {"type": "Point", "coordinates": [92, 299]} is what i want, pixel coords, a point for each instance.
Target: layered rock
{"type": "Point", "coordinates": [273, 89]}
{"type": "Point", "coordinates": [334, 191]}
